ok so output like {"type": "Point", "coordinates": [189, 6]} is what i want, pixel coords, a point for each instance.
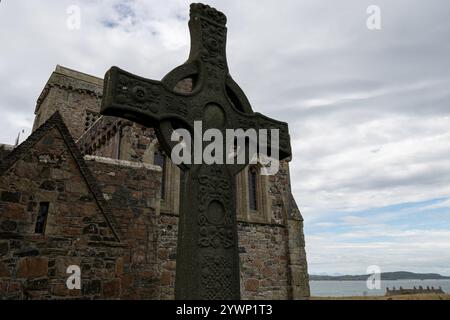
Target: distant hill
{"type": "Point", "coordinates": [398, 275]}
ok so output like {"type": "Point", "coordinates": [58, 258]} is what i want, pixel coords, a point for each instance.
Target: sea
{"type": "Point", "coordinates": [334, 288]}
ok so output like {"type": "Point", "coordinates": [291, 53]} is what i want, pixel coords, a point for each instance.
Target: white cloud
{"type": "Point", "coordinates": [413, 250]}
{"type": "Point", "coordinates": [368, 111]}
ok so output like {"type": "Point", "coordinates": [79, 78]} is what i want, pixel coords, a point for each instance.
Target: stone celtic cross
{"type": "Point", "coordinates": [207, 252]}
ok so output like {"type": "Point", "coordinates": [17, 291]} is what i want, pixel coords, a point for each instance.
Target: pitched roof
{"type": "Point", "coordinates": [56, 121]}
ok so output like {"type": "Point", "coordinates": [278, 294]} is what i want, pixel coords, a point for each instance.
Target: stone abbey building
{"type": "Point", "coordinates": [97, 192]}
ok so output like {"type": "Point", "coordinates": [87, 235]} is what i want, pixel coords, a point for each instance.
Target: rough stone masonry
{"type": "Point", "coordinates": [207, 248]}
{"type": "Point", "coordinates": [110, 199]}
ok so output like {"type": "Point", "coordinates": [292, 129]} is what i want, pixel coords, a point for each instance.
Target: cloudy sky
{"type": "Point", "coordinates": [369, 110]}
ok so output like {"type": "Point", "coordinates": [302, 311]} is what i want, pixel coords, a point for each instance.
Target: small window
{"type": "Point", "coordinates": [42, 217]}
{"type": "Point", "coordinates": [252, 188]}
{"type": "Point", "coordinates": [160, 160]}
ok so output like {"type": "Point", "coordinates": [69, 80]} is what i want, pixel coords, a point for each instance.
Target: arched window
{"type": "Point", "coordinates": [160, 160]}
{"type": "Point", "coordinates": [253, 188]}
{"type": "Point", "coordinates": [253, 199]}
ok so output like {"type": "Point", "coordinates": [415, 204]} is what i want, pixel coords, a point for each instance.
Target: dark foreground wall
{"type": "Point", "coordinates": [33, 265]}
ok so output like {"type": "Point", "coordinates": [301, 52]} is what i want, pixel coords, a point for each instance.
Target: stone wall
{"type": "Point", "coordinates": [33, 265]}
{"type": "Point", "coordinates": [72, 94]}
{"type": "Point", "coordinates": [264, 259]}
{"type": "Point", "coordinates": [283, 276]}
{"type": "Point", "coordinates": [298, 267]}
{"type": "Point", "coordinates": [167, 254]}
{"type": "Point", "coordinates": [132, 190]}
{"type": "Point", "coordinates": [272, 253]}
{"type": "Point", "coordinates": [286, 212]}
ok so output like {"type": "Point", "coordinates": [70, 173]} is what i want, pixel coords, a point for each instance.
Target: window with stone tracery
{"type": "Point", "coordinates": [252, 195]}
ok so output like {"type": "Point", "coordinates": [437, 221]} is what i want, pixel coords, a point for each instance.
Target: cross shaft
{"type": "Point", "coordinates": [207, 252]}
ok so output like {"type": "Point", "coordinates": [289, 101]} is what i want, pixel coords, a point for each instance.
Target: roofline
{"type": "Point", "coordinates": [78, 75]}
{"type": "Point", "coordinates": [87, 83]}
{"type": "Point", "coordinates": [56, 121]}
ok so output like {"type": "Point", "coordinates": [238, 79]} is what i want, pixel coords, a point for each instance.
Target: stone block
{"type": "Point", "coordinates": [300, 292]}
{"type": "Point", "coordinates": [37, 284]}
{"type": "Point", "coordinates": [92, 287]}
{"type": "Point", "coordinates": [4, 271]}
{"type": "Point", "coordinates": [111, 289]}
{"type": "Point", "coordinates": [8, 196]}
{"type": "Point", "coordinates": [252, 285]}
{"type": "Point", "coordinates": [32, 267]}
{"type": "Point", "coordinates": [119, 266]}
{"type": "Point", "coordinates": [27, 252]}
{"type": "Point", "coordinates": [60, 290]}
{"type": "Point", "coordinates": [4, 248]}
{"type": "Point", "coordinates": [62, 263]}
{"type": "Point", "coordinates": [127, 281]}
{"type": "Point", "coordinates": [8, 226]}
{"type": "Point", "coordinates": [267, 272]}
{"type": "Point", "coordinates": [297, 274]}
{"type": "Point", "coordinates": [166, 279]}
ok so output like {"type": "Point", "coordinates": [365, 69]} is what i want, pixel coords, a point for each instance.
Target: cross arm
{"type": "Point", "coordinates": [148, 102]}
{"type": "Point", "coordinates": [259, 121]}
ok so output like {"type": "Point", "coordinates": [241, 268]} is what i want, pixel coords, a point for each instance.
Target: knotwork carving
{"type": "Point", "coordinates": [213, 236]}
{"type": "Point", "coordinates": [138, 94]}
{"type": "Point", "coordinates": [216, 280]}
{"type": "Point", "coordinates": [213, 44]}
{"type": "Point", "coordinates": [215, 218]}
{"type": "Point", "coordinates": [176, 105]}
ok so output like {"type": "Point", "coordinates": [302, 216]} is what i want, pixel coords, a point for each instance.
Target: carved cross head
{"type": "Point", "coordinates": [215, 99]}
